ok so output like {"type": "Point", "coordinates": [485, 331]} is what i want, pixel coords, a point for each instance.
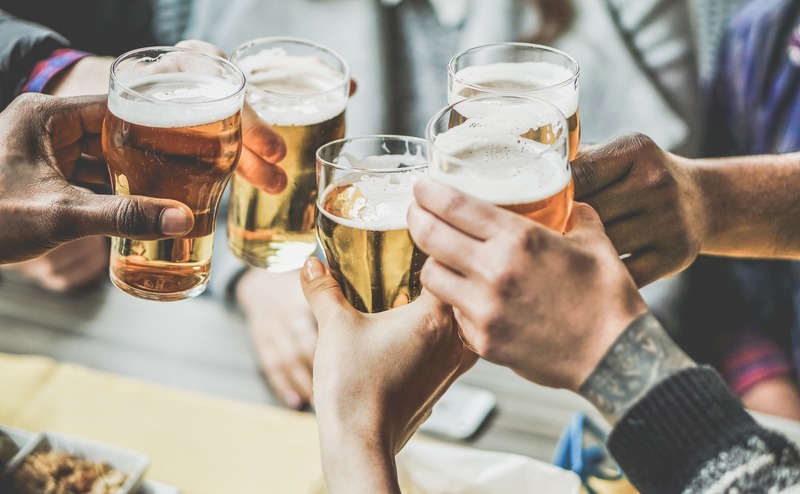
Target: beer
{"type": "Point", "coordinates": [535, 71]}
{"type": "Point", "coordinates": [361, 223]}
{"type": "Point", "coordinates": [498, 152]}
{"type": "Point", "coordinates": [376, 262]}
{"type": "Point", "coordinates": [304, 100]}
{"type": "Point", "coordinates": [172, 136]}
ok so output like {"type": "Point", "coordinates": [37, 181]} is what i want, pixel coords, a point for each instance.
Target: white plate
{"type": "Point", "coordinates": [132, 464]}
{"type": "Point", "coordinates": [24, 440]}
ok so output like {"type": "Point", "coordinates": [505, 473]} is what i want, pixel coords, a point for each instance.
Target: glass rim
{"type": "Point", "coordinates": [178, 49]}
{"type": "Point", "coordinates": [374, 137]}
{"type": "Point", "coordinates": [299, 41]}
{"type": "Point", "coordinates": [429, 130]}
{"type": "Point", "coordinates": [451, 70]}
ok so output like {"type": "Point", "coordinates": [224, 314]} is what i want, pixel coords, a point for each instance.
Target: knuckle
{"type": "Point", "coordinates": [131, 218]}
{"type": "Point", "coordinates": [454, 204]}
{"type": "Point", "coordinates": [585, 176]}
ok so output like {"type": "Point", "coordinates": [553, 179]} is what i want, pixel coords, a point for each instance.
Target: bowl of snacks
{"type": "Point", "coordinates": [14, 445]}
{"type": "Point", "coordinates": [60, 464]}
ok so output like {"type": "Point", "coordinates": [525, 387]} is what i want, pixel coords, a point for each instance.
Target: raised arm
{"type": "Point", "coordinates": [664, 210]}
{"type": "Point", "coordinates": [562, 311]}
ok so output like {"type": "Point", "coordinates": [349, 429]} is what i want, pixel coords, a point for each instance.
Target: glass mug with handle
{"type": "Point", "coordinates": [519, 69]}
{"type": "Point", "coordinates": [365, 189]}
{"type": "Point", "coordinates": [301, 89]}
{"type": "Point", "coordinates": [172, 130]}
{"type": "Point", "coordinates": [511, 151]}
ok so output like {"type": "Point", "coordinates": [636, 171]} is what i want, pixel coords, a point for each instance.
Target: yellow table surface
{"type": "Point", "coordinates": [202, 444]}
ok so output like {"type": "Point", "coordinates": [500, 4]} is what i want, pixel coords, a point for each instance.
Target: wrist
{"type": "Point", "coordinates": [641, 357]}
{"type": "Point", "coordinates": [355, 463]}
{"type": "Point", "coordinates": [88, 75]}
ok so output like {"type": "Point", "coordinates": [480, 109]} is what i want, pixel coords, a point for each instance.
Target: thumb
{"type": "Point", "coordinates": [601, 166]}
{"type": "Point", "coordinates": [138, 217]}
{"type": "Point", "coordinates": [584, 219]}
{"type": "Point", "coordinates": [322, 292]}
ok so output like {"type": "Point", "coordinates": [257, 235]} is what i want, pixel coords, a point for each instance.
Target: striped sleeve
{"type": "Point", "coordinates": [690, 434]}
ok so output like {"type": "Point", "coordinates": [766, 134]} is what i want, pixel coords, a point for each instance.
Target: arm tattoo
{"type": "Point", "coordinates": [642, 356]}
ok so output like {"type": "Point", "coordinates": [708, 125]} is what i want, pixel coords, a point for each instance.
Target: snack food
{"type": "Point", "coordinates": [52, 472]}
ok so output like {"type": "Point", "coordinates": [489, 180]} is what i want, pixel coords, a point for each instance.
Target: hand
{"type": "Point", "coordinates": [546, 305]}
{"type": "Point", "coordinates": [376, 377]}
{"type": "Point", "coordinates": [68, 268]}
{"type": "Point", "coordinates": [648, 201]}
{"type": "Point", "coordinates": [44, 140]}
{"type": "Point", "coordinates": [262, 149]}
{"type": "Point", "coordinates": [283, 330]}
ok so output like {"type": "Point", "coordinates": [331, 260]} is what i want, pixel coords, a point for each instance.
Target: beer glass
{"type": "Point", "coordinates": [300, 88]}
{"type": "Point", "coordinates": [365, 188]}
{"type": "Point", "coordinates": [172, 130]}
{"type": "Point", "coordinates": [519, 69]}
{"type": "Point", "coordinates": [511, 151]}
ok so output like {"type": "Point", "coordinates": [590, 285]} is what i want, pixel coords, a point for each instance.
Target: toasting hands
{"type": "Point", "coordinates": [47, 142]}
{"type": "Point", "coordinates": [544, 304]}
{"type": "Point", "coordinates": [376, 377]}
{"type": "Point", "coordinates": [649, 202]}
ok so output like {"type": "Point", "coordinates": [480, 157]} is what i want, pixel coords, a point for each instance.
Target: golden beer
{"type": "Point", "coordinates": [508, 151]}
{"type": "Point", "coordinates": [361, 220]}
{"type": "Point", "coordinates": [523, 70]}
{"type": "Point", "coordinates": [172, 136]}
{"type": "Point", "coordinates": [303, 98]}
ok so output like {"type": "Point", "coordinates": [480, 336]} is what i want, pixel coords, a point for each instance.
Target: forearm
{"type": "Point", "coordinates": [751, 205]}
{"type": "Point", "coordinates": [353, 465]}
{"type": "Point", "coordinates": [641, 357]}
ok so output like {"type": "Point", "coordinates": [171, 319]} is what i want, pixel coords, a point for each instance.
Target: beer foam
{"type": "Point", "coordinates": [380, 203]}
{"type": "Point", "coordinates": [529, 78]}
{"type": "Point", "coordinates": [494, 163]}
{"type": "Point", "coordinates": [189, 100]}
{"type": "Point", "coordinates": [293, 90]}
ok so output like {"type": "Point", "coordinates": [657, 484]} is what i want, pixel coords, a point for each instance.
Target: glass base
{"type": "Point", "coordinates": [287, 256]}
{"type": "Point", "coordinates": [159, 296]}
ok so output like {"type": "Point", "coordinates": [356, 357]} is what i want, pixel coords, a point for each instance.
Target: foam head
{"type": "Point", "coordinates": [175, 99]}
{"type": "Point", "coordinates": [374, 201]}
{"type": "Point", "coordinates": [493, 158]}
{"type": "Point", "coordinates": [293, 90]}
{"type": "Point", "coordinates": [543, 80]}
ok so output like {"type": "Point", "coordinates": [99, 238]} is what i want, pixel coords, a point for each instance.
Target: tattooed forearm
{"type": "Point", "coordinates": [642, 356]}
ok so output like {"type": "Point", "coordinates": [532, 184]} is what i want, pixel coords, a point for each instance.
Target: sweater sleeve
{"type": "Point", "coordinates": [22, 45]}
{"type": "Point", "coordinates": [691, 434]}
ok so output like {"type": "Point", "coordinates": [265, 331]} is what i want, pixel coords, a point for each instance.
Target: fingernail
{"type": "Point", "coordinates": [292, 399]}
{"type": "Point", "coordinates": [174, 222]}
{"type": "Point", "coordinates": [313, 269]}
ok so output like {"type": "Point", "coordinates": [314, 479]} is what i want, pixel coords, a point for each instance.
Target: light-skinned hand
{"type": "Point", "coordinates": [376, 378]}
{"type": "Point", "coordinates": [544, 304]}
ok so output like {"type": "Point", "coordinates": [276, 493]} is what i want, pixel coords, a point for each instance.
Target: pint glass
{"type": "Point", "coordinates": [301, 90]}
{"type": "Point", "coordinates": [365, 188]}
{"type": "Point", "coordinates": [510, 151]}
{"type": "Point", "coordinates": [519, 69]}
{"type": "Point", "coordinates": [172, 130]}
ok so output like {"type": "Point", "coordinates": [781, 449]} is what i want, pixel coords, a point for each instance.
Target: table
{"type": "Point", "coordinates": [203, 348]}
{"type": "Point", "coordinates": [200, 345]}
